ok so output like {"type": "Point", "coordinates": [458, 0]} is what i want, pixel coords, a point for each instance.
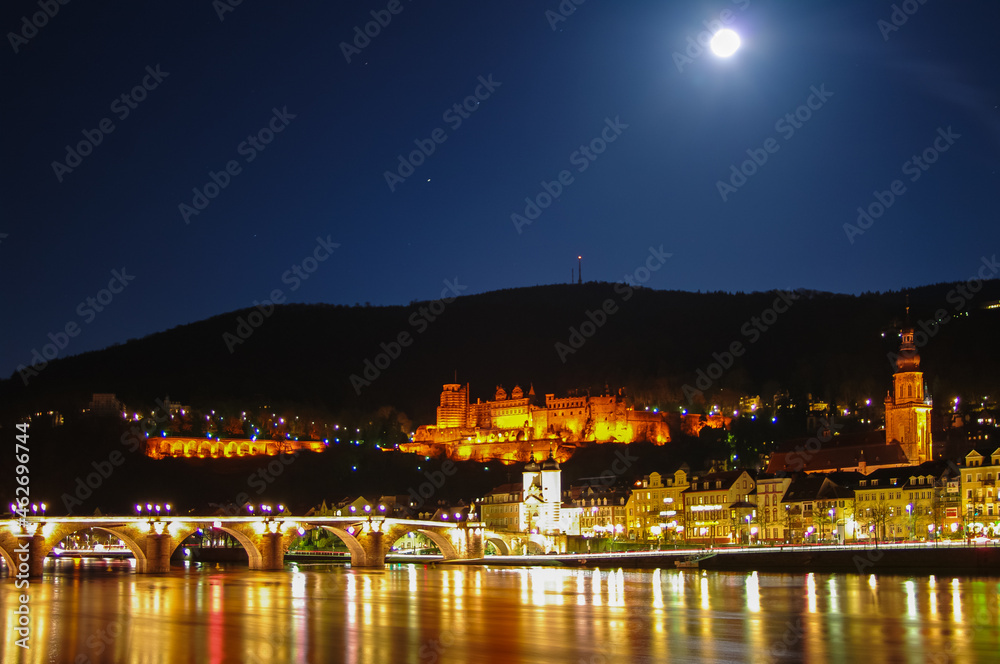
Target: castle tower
{"type": "Point", "coordinates": [454, 407]}
{"type": "Point", "coordinates": [907, 411]}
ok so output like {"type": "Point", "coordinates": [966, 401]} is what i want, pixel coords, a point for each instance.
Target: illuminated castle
{"type": "Point", "coordinates": [511, 428]}
{"type": "Point", "coordinates": [907, 411]}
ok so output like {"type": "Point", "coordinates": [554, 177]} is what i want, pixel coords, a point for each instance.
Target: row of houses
{"type": "Point", "coordinates": [925, 501]}
{"type": "Point", "coordinates": [930, 500]}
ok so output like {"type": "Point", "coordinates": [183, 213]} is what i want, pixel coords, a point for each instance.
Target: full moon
{"type": "Point", "coordinates": [725, 42]}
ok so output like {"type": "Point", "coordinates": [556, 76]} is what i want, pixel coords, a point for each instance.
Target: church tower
{"type": "Point", "coordinates": [907, 411]}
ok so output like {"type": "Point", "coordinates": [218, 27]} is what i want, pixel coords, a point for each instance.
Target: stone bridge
{"type": "Point", "coordinates": [152, 540]}
{"type": "Point", "coordinates": [516, 544]}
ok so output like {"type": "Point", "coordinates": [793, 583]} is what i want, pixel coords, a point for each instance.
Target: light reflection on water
{"type": "Point", "coordinates": [103, 612]}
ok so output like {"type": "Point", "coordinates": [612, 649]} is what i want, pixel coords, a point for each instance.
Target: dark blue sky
{"type": "Point", "coordinates": [682, 125]}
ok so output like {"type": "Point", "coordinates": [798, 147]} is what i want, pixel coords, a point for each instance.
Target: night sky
{"type": "Point", "coordinates": [681, 120]}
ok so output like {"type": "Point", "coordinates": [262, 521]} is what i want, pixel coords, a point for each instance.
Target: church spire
{"type": "Point", "coordinates": [908, 358]}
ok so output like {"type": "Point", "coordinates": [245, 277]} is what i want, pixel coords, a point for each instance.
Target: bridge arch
{"type": "Point", "coordinates": [63, 531]}
{"type": "Point", "coordinates": [499, 545]}
{"type": "Point", "coordinates": [9, 561]}
{"type": "Point", "coordinates": [256, 560]}
{"type": "Point", "coordinates": [445, 545]}
{"type": "Point", "coordinates": [533, 547]}
{"type": "Point", "coordinates": [359, 557]}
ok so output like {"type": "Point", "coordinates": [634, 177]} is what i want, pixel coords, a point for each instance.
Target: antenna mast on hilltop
{"type": "Point", "coordinates": [579, 272]}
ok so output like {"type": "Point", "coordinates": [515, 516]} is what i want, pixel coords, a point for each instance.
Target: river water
{"type": "Point", "coordinates": [100, 611]}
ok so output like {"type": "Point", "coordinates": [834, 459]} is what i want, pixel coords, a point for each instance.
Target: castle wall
{"type": "Point", "coordinates": [210, 448]}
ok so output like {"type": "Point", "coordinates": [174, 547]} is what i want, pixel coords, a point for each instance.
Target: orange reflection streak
{"type": "Point", "coordinates": [216, 624]}
{"type": "Point", "coordinates": [811, 592]}
{"type": "Point", "coordinates": [753, 593]}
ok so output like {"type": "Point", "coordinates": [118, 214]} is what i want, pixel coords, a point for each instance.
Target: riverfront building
{"type": "Point", "coordinates": [980, 506]}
